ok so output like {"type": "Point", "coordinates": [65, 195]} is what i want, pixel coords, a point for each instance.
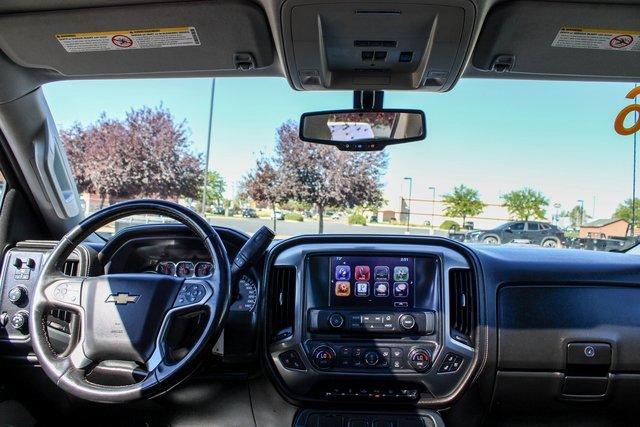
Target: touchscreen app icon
{"type": "Point", "coordinates": [343, 289]}
{"type": "Point", "coordinates": [381, 272]}
{"type": "Point", "coordinates": [381, 289]}
{"type": "Point", "coordinates": [401, 274]}
{"type": "Point", "coordinates": [362, 289]}
{"type": "Point", "coordinates": [363, 273]}
{"type": "Point", "coordinates": [400, 289]}
{"type": "Point", "coordinates": [343, 272]}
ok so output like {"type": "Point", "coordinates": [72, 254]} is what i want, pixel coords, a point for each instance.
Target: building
{"type": "Point", "coordinates": [604, 229]}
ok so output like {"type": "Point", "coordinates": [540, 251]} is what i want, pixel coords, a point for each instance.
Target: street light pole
{"type": "Point", "coordinates": [633, 191]}
{"type": "Point", "coordinates": [206, 161]}
{"type": "Point", "coordinates": [408, 178]}
{"type": "Point", "coordinates": [433, 206]}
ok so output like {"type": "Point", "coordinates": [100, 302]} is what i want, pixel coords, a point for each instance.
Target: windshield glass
{"type": "Point", "coordinates": [504, 162]}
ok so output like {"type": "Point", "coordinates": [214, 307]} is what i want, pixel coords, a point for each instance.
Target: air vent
{"type": "Point", "coordinates": [70, 267]}
{"type": "Point", "coordinates": [281, 302]}
{"type": "Point", "coordinates": [462, 305]}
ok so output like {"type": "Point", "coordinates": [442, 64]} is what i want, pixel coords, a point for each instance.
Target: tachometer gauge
{"type": "Point", "coordinates": [185, 269]}
{"type": "Point", "coordinates": [166, 267]}
{"type": "Point", "coordinates": [204, 269]}
{"type": "Point", "coordinates": [247, 295]}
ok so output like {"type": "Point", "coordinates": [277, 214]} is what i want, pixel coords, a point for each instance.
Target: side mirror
{"type": "Point", "coordinates": [361, 130]}
{"type": "Point", "coordinates": [508, 230]}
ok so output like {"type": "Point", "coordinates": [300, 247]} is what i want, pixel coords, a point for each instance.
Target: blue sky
{"type": "Point", "coordinates": [496, 136]}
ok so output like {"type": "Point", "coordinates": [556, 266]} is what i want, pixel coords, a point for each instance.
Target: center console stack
{"type": "Point", "coordinates": [367, 325]}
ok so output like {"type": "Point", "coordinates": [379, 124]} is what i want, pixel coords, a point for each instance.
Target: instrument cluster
{"type": "Point", "coordinates": [185, 269]}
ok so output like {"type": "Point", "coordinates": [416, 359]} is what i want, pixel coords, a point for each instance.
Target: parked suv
{"type": "Point", "coordinates": [532, 232]}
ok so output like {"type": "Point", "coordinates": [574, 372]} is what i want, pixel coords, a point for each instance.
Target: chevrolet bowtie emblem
{"type": "Point", "coordinates": [122, 298]}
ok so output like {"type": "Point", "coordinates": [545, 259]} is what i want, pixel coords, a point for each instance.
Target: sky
{"type": "Point", "coordinates": [492, 135]}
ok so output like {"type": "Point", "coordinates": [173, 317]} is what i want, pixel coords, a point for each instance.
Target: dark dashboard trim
{"type": "Point", "coordinates": [480, 357]}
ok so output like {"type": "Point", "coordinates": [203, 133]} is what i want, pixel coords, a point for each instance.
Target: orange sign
{"type": "Point", "coordinates": [622, 115]}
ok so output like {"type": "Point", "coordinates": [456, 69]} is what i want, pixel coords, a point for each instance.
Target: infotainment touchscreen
{"type": "Point", "coordinates": [372, 281]}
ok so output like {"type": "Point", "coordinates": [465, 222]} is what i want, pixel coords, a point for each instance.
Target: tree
{"type": "Point", "coordinates": [263, 184]}
{"type": "Point", "coordinates": [146, 154]}
{"type": "Point", "coordinates": [215, 187]}
{"type": "Point", "coordinates": [325, 177]}
{"type": "Point", "coordinates": [525, 204]}
{"type": "Point", "coordinates": [462, 203]}
{"type": "Point", "coordinates": [624, 211]}
{"type": "Point", "coordinates": [577, 216]}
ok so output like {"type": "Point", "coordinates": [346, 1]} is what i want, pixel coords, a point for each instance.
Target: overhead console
{"type": "Point", "coordinates": [375, 44]}
{"type": "Point", "coordinates": [538, 39]}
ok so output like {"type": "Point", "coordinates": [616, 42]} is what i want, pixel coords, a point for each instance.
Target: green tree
{"type": "Point", "coordinates": [525, 204]}
{"type": "Point", "coordinates": [462, 203]}
{"type": "Point", "coordinates": [215, 188]}
{"type": "Point", "coordinates": [577, 216]}
{"type": "Point", "coordinates": [624, 211]}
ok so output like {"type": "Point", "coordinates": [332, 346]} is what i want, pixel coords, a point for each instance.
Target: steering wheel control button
{"type": "Point", "coordinates": [67, 292]}
{"type": "Point", "coordinates": [450, 363]}
{"type": "Point", "coordinates": [291, 360]}
{"type": "Point", "coordinates": [420, 359]}
{"type": "Point", "coordinates": [588, 354]}
{"type": "Point", "coordinates": [18, 295]}
{"type": "Point", "coordinates": [336, 320]}
{"type": "Point", "coordinates": [190, 293]}
{"type": "Point", "coordinates": [407, 322]}
{"type": "Point", "coordinates": [324, 357]}
{"type": "Point", "coordinates": [19, 320]}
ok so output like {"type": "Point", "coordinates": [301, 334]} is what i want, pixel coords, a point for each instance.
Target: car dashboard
{"type": "Point", "coordinates": [394, 322]}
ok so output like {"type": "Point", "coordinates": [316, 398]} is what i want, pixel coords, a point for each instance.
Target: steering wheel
{"type": "Point", "coordinates": [124, 318]}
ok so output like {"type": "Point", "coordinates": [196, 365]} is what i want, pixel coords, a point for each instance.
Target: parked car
{"type": "Point", "coordinates": [249, 213]}
{"type": "Point", "coordinates": [531, 232]}
{"type": "Point", "coordinates": [218, 210]}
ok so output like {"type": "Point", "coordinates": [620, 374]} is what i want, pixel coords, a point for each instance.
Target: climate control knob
{"type": "Point", "coordinates": [419, 359]}
{"type": "Point", "coordinates": [323, 357]}
{"type": "Point", "coordinates": [336, 320]}
{"type": "Point", "coordinates": [19, 320]}
{"type": "Point", "coordinates": [17, 295]}
{"type": "Point", "coordinates": [371, 358]}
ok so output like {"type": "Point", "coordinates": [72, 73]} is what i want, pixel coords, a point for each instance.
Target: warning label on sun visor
{"type": "Point", "coordinates": [591, 38]}
{"type": "Point", "coordinates": [153, 38]}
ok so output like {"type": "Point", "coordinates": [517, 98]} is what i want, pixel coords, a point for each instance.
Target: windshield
{"type": "Point", "coordinates": [502, 163]}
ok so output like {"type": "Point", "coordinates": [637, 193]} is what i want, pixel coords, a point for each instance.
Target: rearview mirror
{"type": "Point", "coordinates": [359, 130]}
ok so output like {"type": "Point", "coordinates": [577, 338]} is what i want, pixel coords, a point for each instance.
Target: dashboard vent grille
{"type": "Point", "coordinates": [281, 302]}
{"type": "Point", "coordinates": [70, 267]}
{"type": "Point", "coordinates": [462, 305]}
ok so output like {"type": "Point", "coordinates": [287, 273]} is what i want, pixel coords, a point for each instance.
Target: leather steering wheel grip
{"type": "Point", "coordinates": [67, 370]}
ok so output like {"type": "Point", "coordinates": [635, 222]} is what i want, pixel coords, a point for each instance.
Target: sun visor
{"type": "Point", "coordinates": [572, 40]}
{"type": "Point", "coordinates": [225, 35]}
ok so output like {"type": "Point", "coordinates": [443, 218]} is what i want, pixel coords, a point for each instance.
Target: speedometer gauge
{"type": "Point", "coordinates": [204, 269]}
{"type": "Point", "coordinates": [166, 267]}
{"type": "Point", "coordinates": [247, 295]}
{"type": "Point", "coordinates": [185, 269]}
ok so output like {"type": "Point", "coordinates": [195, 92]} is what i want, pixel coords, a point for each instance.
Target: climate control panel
{"type": "Point", "coordinates": [358, 357]}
